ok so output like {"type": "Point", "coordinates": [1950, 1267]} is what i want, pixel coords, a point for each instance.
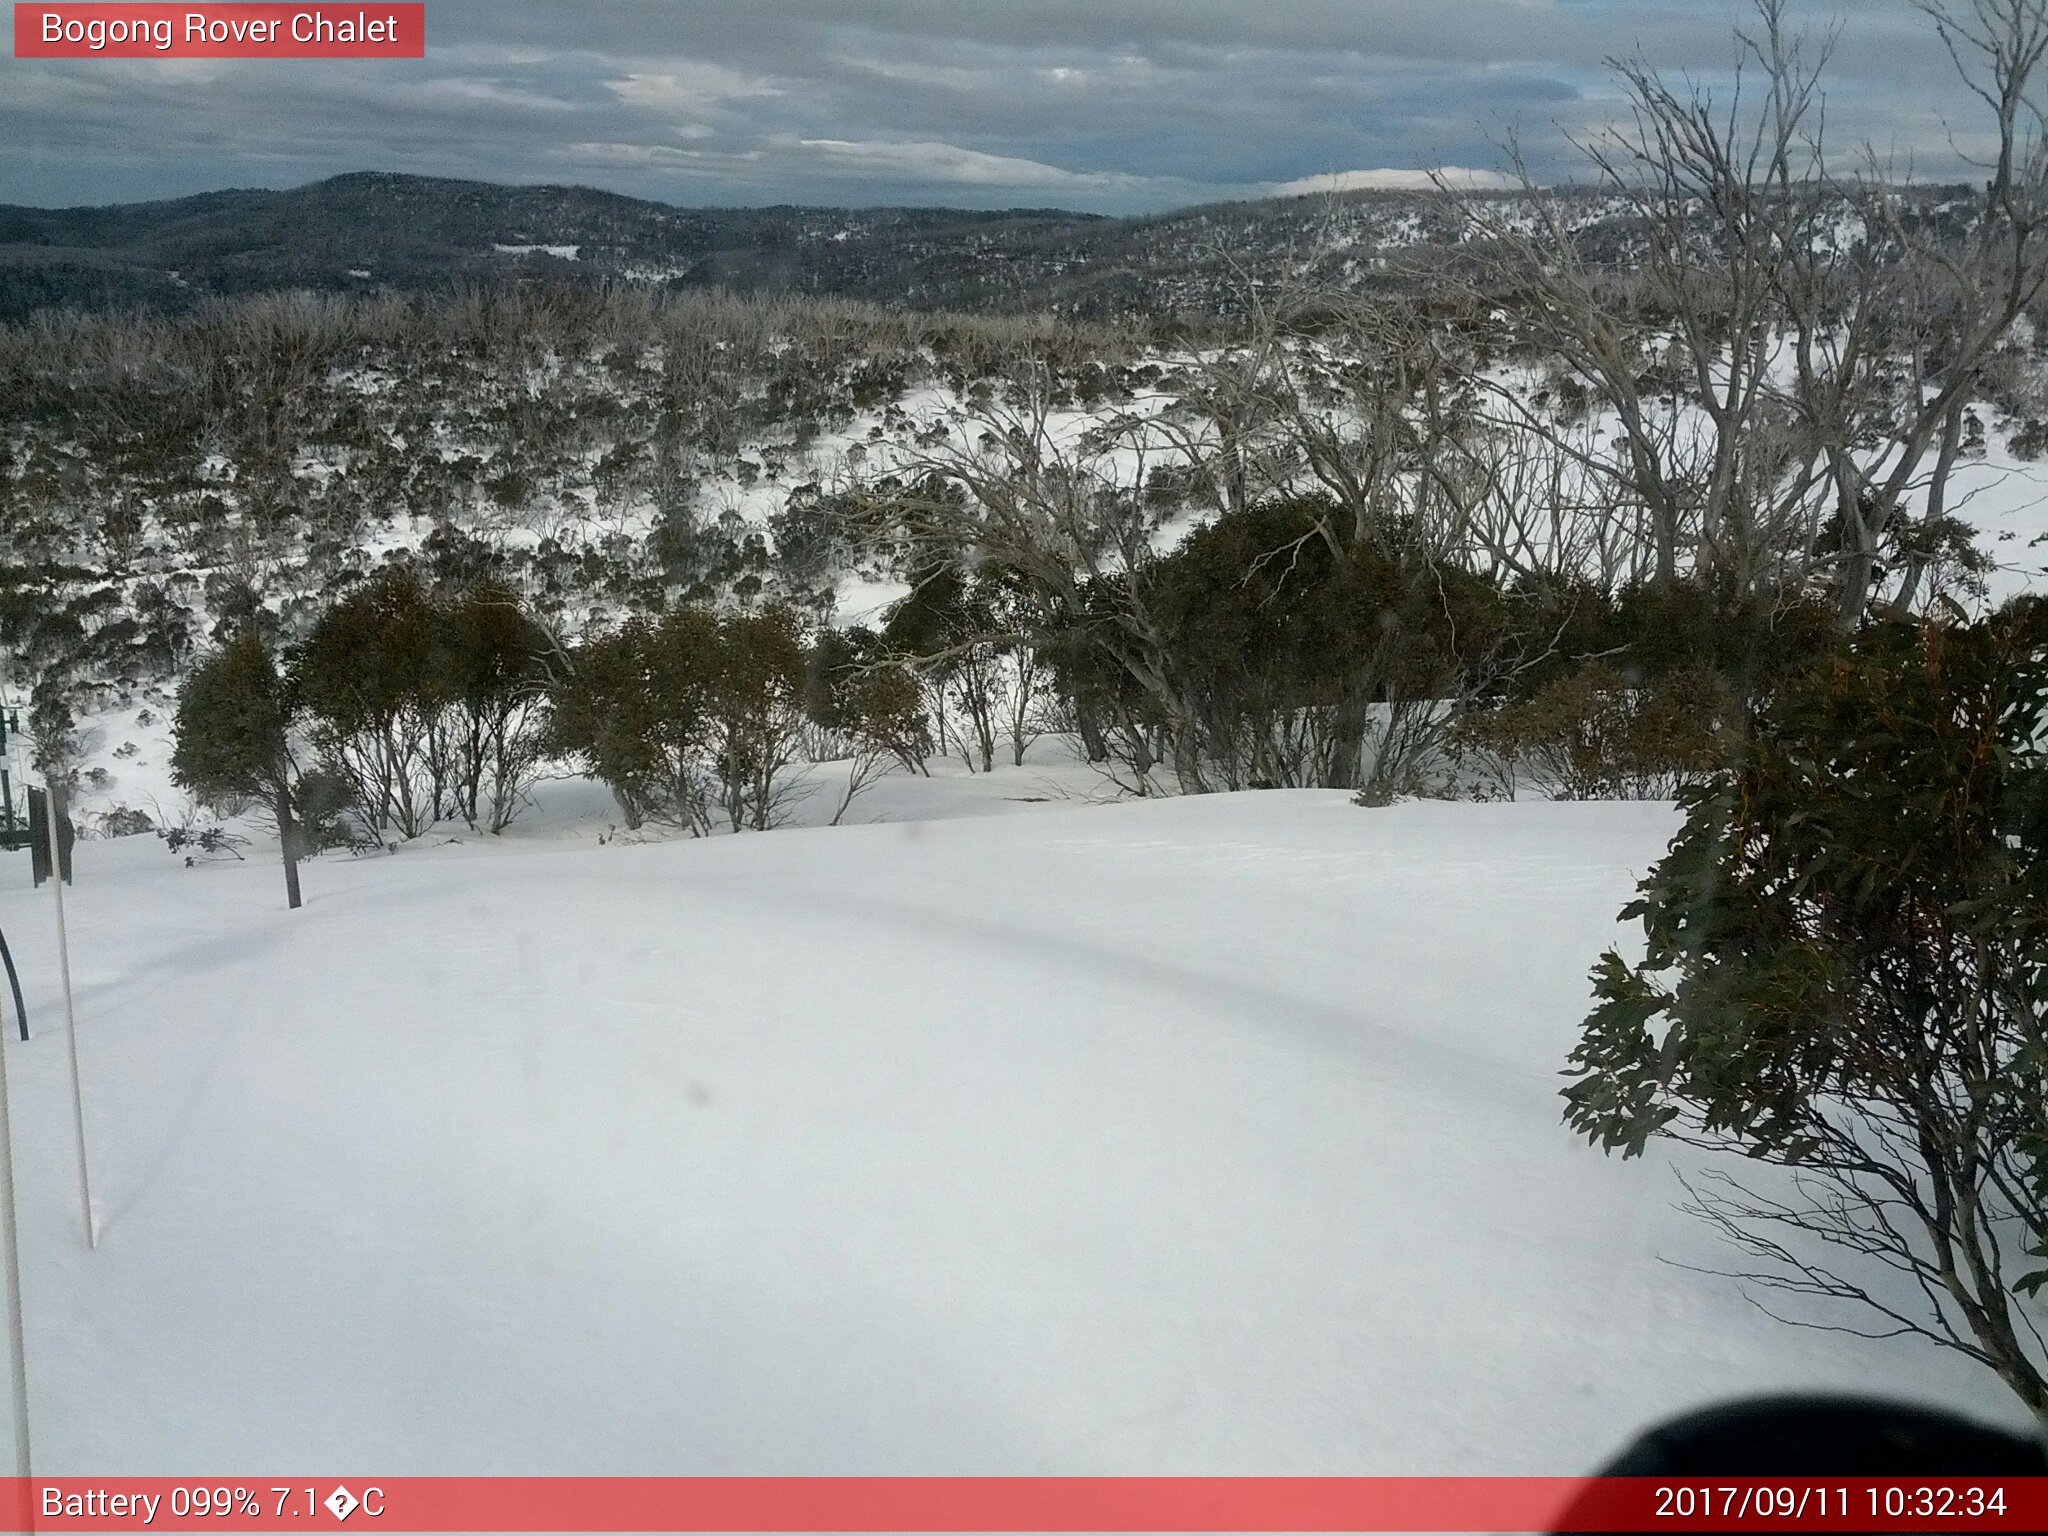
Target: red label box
{"type": "Point", "coordinates": [1682, 1506]}
{"type": "Point", "coordinates": [366, 29]}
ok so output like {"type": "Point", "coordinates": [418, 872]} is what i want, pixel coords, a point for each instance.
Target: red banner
{"type": "Point", "coordinates": [1024, 1504]}
{"type": "Point", "coordinates": [87, 31]}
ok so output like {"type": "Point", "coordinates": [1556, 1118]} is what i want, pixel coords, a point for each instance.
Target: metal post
{"type": "Point", "coordinates": [6, 787]}
{"type": "Point", "coordinates": [7, 723]}
{"type": "Point", "coordinates": [55, 803]}
{"type": "Point", "coordinates": [14, 985]}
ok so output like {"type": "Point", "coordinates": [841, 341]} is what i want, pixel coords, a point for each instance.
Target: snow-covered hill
{"type": "Point", "coordinates": [371, 232]}
{"type": "Point", "coordinates": [1205, 1136]}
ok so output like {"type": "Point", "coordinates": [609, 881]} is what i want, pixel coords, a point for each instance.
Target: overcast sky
{"type": "Point", "coordinates": [1110, 105]}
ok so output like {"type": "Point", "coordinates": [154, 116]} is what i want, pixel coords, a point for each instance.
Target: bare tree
{"type": "Point", "coordinates": [1009, 482]}
{"type": "Point", "coordinates": [1783, 351]}
{"type": "Point", "coordinates": [1678, 354]}
{"type": "Point", "coordinates": [1896, 335]}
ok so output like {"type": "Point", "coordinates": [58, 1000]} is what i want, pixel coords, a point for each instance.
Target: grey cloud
{"type": "Point", "coordinates": [1102, 104]}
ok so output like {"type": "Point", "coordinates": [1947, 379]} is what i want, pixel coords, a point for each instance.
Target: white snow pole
{"type": "Point", "coordinates": [10, 1259]}
{"type": "Point", "coordinates": [55, 803]}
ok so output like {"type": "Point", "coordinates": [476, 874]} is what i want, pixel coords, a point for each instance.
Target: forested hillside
{"type": "Point", "coordinates": [381, 233]}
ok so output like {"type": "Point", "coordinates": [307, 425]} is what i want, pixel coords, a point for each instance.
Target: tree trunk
{"type": "Point", "coordinates": [1937, 501]}
{"type": "Point", "coordinates": [629, 808]}
{"type": "Point", "coordinates": [1348, 728]}
{"type": "Point", "coordinates": [1859, 568]}
{"type": "Point", "coordinates": [1187, 769]}
{"type": "Point", "coordinates": [1090, 732]}
{"type": "Point", "coordinates": [288, 843]}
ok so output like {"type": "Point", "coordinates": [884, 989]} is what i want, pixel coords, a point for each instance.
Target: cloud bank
{"type": "Point", "coordinates": [1125, 107]}
{"type": "Point", "coordinates": [1385, 180]}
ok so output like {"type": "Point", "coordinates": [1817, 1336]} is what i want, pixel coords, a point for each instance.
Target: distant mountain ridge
{"type": "Point", "coordinates": [376, 231]}
{"type": "Point", "coordinates": [372, 232]}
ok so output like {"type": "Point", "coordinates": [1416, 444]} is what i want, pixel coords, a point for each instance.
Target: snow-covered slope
{"type": "Point", "coordinates": [1215, 1135]}
{"type": "Point", "coordinates": [2004, 499]}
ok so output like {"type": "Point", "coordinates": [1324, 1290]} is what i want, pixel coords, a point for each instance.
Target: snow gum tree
{"type": "Point", "coordinates": [427, 702]}
{"type": "Point", "coordinates": [233, 739]}
{"type": "Point", "coordinates": [756, 685]}
{"type": "Point", "coordinates": [55, 731]}
{"type": "Point", "coordinates": [1846, 975]}
{"type": "Point", "coordinates": [867, 708]}
{"type": "Point", "coordinates": [1313, 660]}
{"type": "Point", "coordinates": [967, 631]}
{"type": "Point", "coordinates": [702, 711]}
{"type": "Point", "coordinates": [488, 659]}
{"type": "Point", "coordinates": [632, 707]}
{"type": "Point", "coordinates": [1785, 348]}
{"type": "Point", "coordinates": [367, 674]}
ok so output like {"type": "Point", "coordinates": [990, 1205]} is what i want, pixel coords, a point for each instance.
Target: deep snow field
{"type": "Point", "coordinates": [1196, 1136]}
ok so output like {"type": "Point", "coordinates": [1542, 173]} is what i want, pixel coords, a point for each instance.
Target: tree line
{"type": "Point", "coordinates": [408, 705]}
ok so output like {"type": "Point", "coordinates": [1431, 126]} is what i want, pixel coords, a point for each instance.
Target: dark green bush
{"type": "Point", "coordinates": [1846, 973]}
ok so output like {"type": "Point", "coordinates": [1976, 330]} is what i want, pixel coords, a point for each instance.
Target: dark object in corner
{"type": "Point", "coordinates": [1818, 1436]}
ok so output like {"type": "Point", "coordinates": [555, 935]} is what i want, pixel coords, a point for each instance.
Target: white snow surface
{"type": "Point", "coordinates": [1213, 1135]}
{"type": "Point", "coordinates": [2004, 498]}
